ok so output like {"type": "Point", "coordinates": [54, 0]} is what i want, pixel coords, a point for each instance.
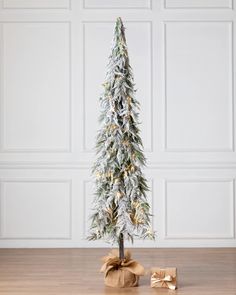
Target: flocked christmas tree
{"type": "Point", "coordinates": [121, 210]}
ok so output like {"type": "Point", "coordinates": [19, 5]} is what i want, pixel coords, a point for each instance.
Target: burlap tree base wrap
{"type": "Point", "coordinates": [121, 273]}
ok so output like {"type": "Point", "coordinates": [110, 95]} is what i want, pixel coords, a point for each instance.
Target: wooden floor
{"type": "Point", "coordinates": [76, 271]}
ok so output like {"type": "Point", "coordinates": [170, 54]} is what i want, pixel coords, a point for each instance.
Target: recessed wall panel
{"type": "Point", "coordinates": [98, 4]}
{"type": "Point", "coordinates": [38, 4]}
{"type": "Point", "coordinates": [35, 209]}
{"type": "Point", "coordinates": [36, 87]}
{"type": "Point", "coordinates": [97, 43]}
{"type": "Point", "coordinates": [201, 209]}
{"type": "Point", "coordinates": [198, 83]}
{"type": "Point", "coordinates": [198, 3]}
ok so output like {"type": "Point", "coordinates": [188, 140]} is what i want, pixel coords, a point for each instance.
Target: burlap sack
{"type": "Point", "coordinates": [121, 273]}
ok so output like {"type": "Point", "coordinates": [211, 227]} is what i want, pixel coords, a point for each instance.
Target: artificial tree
{"type": "Point", "coordinates": [121, 210]}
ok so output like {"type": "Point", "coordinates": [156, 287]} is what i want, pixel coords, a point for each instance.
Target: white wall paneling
{"type": "Point", "coordinates": [199, 208]}
{"type": "Point", "coordinates": [198, 85]}
{"type": "Point", "coordinates": [35, 209]}
{"type": "Point", "coordinates": [53, 56]}
{"type": "Point", "coordinates": [36, 4]}
{"type": "Point", "coordinates": [117, 4]}
{"type": "Point", "coordinates": [178, 197]}
{"type": "Point", "coordinates": [202, 4]}
{"type": "Point", "coordinates": [36, 111]}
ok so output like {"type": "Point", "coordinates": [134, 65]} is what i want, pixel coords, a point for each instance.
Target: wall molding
{"type": "Point", "coordinates": [7, 6]}
{"type": "Point", "coordinates": [87, 165]}
{"type": "Point", "coordinates": [35, 180]}
{"type": "Point", "coordinates": [231, 149]}
{"type": "Point", "coordinates": [199, 237]}
{"type": "Point", "coordinates": [74, 164]}
{"type": "Point", "coordinates": [147, 6]}
{"type": "Point", "coordinates": [166, 6]}
{"type": "Point", "coordinates": [3, 148]}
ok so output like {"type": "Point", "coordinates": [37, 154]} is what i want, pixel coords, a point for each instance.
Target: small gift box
{"type": "Point", "coordinates": [164, 278]}
{"type": "Point", "coordinates": [121, 273]}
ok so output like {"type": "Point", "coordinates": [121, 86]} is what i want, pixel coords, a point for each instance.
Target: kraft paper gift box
{"type": "Point", "coordinates": [164, 278]}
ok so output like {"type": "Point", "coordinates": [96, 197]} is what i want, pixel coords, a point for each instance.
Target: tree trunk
{"type": "Point", "coordinates": [121, 247]}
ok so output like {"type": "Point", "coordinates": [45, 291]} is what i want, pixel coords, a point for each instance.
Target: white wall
{"type": "Point", "coordinates": [52, 62]}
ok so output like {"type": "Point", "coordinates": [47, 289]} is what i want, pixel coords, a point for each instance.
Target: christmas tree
{"type": "Point", "coordinates": [121, 210]}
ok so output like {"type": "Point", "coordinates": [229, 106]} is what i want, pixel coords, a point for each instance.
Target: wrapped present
{"type": "Point", "coordinates": [121, 273]}
{"type": "Point", "coordinates": [164, 278]}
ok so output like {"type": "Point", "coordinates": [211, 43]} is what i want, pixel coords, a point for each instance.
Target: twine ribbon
{"type": "Point", "coordinates": [112, 261]}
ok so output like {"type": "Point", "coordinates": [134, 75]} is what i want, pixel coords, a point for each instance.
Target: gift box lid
{"type": "Point", "coordinates": [172, 271]}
